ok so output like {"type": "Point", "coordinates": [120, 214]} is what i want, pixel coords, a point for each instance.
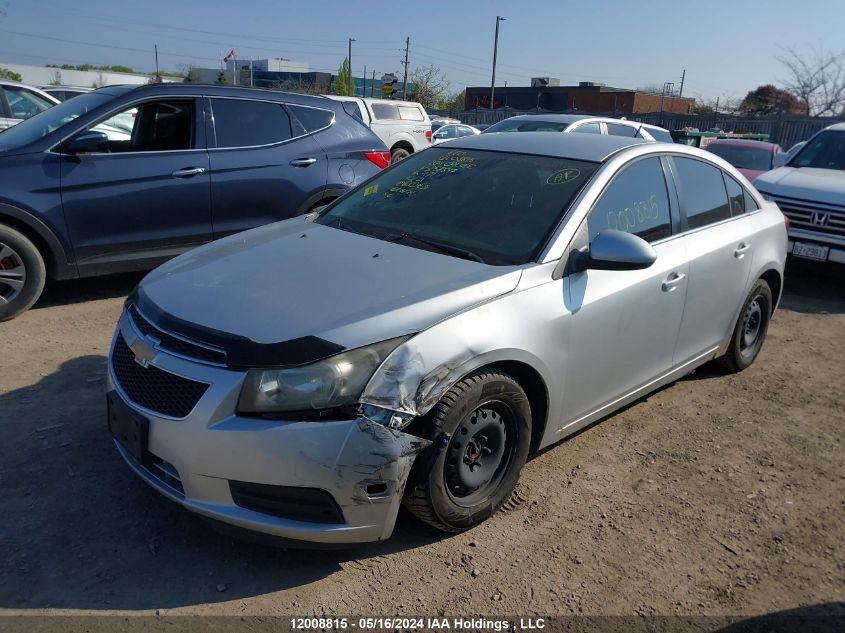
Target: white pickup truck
{"type": "Point", "coordinates": [404, 126]}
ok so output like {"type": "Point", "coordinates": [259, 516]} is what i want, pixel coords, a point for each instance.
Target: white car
{"type": "Point", "coordinates": [19, 102]}
{"type": "Point", "coordinates": [404, 126]}
{"type": "Point", "coordinates": [810, 190]}
{"type": "Point", "coordinates": [582, 123]}
{"type": "Point", "coordinates": [451, 131]}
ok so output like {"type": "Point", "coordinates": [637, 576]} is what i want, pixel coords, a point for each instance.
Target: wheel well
{"type": "Point", "coordinates": [538, 396]}
{"type": "Point", "coordinates": [34, 237]}
{"type": "Point", "coordinates": [772, 277]}
{"type": "Point", "coordinates": [402, 145]}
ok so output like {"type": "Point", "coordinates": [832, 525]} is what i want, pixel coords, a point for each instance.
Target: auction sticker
{"type": "Point", "coordinates": [562, 176]}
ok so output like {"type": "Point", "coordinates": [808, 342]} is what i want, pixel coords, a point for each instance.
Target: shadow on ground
{"type": "Point", "coordinates": [87, 534]}
{"type": "Point", "coordinates": [814, 288]}
{"type": "Point", "coordinates": [90, 289]}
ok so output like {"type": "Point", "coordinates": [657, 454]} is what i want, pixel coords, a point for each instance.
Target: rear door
{"type": "Point", "coordinates": [718, 236]}
{"type": "Point", "coordinates": [265, 165]}
{"type": "Point", "coordinates": [147, 198]}
{"type": "Point", "coordinates": [624, 324]}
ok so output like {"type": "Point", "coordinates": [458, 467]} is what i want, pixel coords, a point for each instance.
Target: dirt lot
{"type": "Point", "coordinates": [717, 495]}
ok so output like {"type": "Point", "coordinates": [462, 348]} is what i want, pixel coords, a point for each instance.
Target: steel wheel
{"type": "Point", "coordinates": [12, 274]}
{"type": "Point", "coordinates": [751, 325]}
{"type": "Point", "coordinates": [479, 453]}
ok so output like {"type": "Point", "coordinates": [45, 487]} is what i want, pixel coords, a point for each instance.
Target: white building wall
{"type": "Point", "coordinates": [43, 76]}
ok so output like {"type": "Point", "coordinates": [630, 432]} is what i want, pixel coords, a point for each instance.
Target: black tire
{"type": "Point", "coordinates": [19, 261]}
{"type": "Point", "coordinates": [750, 330]}
{"type": "Point", "coordinates": [502, 417]}
{"type": "Point", "coordinates": [399, 153]}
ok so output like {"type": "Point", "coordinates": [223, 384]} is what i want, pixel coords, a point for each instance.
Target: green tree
{"type": "Point", "coordinates": [5, 73]}
{"type": "Point", "coordinates": [431, 88]}
{"type": "Point", "coordinates": [344, 85]}
{"type": "Point", "coordinates": [221, 78]}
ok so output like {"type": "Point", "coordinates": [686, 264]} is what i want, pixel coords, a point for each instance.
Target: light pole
{"type": "Point", "coordinates": [351, 78]}
{"type": "Point", "coordinates": [495, 50]}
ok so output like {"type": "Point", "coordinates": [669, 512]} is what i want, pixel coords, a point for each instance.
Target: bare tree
{"type": "Point", "coordinates": [817, 78]}
{"type": "Point", "coordinates": [431, 88]}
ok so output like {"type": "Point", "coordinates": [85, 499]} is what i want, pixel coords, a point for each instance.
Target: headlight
{"type": "Point", "coordinates": [332, 382]}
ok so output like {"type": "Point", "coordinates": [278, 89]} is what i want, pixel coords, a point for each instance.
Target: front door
{"type": "Point", "coordinates": [623, 325]}
{"type": "Point", "coordinates": [147, 198]}
{"type": "Point", "coordinates": [264, 165]}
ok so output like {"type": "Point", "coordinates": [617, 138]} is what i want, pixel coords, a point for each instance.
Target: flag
{"type": "Point", "coordinates": [232, 55]}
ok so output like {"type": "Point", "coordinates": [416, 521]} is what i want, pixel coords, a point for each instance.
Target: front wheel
{"type": "Point", "coordinates": [750, 329]}
{"type": "Point", "coordinates": [22, 273]}
{"type": "Point", "coordinates": [486, 420]}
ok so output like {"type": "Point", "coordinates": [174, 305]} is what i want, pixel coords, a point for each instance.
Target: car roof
{"type": "Point", "coordinates": [551, 118]}
{"type": "Point", "coordinates": [588, 147]}
{"type": "Point", "coordinates": [838, 127]}
{"type": "Point", "coordinates": [743, 142]}
{"type": "Point", "coordinates": [212, 90]}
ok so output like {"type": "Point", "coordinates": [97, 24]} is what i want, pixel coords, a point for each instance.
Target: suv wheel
{"type": "Point", "coordinates": [750, 330]}
{"type": "Point", "coordinates": [22, 273]}
{"type": "Point", "coordinates": [487, 421]}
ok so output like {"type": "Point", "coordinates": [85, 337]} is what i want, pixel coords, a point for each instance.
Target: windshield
{"type": "Point", "coordinates": [526, 125]}
{"type": "Point", "coordinates": [50, 120]}
{"type": "Point", "coordinates": [495, 207]}
{"type": "Point", "coordinates": [759, 158]}
{"type": "Point", "coordinates": [826, 150]}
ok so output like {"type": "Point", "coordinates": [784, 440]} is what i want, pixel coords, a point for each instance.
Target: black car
{"type": "Point", "coordinates": [124, 177]}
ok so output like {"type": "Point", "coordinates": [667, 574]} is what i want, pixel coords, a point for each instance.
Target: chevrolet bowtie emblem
{"type": "Point", "coordinates": [143, 351]}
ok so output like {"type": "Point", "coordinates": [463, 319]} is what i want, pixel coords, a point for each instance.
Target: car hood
{"type": "Point", "coordinates": [826, 186]}
{"type": "Point", "coordinates": [293, 280]}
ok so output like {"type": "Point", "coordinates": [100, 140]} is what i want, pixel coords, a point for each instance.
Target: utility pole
{"type": "Point", "coordinates": [405, 78]}
{"type": "Point", "coordinates": [364, 90]}
{"type": "Point", "coordinates": [156, 49]}
{"type": "Point", "coordinates": [372, 83]}
{"type": "Point", "coordinates": [349, 59]}
{"type": "Point", "coordinates": [681, 89]}
{"type": "Point", "coordinates": [495, 51]}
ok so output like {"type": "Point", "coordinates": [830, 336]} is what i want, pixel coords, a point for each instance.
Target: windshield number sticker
{"type": "Point", "coordinates": [563, 176]}
{"type": "Point", "coordinates": [451, 163]}
{"type": "Point", "coordinates": [371, 190]}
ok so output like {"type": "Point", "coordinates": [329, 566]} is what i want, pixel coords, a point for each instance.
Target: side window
{"type": "Point", "coordinates": [24, 103]}
{"type": "Point", "coordinates": [736, 195]}
{"type": "Point", "coordinates": [385, 111]}
{"type": "Point", "coordinates": [636, 201]}
{"type": "Point", "coordinates": [620, 129]}
{"type": "Point", "coordinates": [154, 126]}
{"type": "Point", "coordinates": [588, 128]}
{"type": "Point", "coordinates": [312, 119]}
{"type": "Point", "coordinates": [410, 113]}
{"type": "Point", "coordinates": [447, 131]}
{"type": "Point", "coordinates": [352, 108]}
{"type": "Point", "coordinates": [750, 202]}
{"type": "Point", "coordinates": [702, 191]}
{"type": "Point", "coordinates": [242, 123]}
{"type": "Point", "coordinates": [464, 131]}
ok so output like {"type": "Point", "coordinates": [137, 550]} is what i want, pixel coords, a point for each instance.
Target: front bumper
{"type": "Point", "coordinates": [361, 464]}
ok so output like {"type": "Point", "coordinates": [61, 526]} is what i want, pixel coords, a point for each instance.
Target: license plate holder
{"type": "Point", "coordinates": [816, 252]}
{"type": "Point", "coordinates": [129, 428]}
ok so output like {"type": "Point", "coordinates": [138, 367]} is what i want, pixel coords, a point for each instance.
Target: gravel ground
{"type": "Point", "coordinates": [720, 494]}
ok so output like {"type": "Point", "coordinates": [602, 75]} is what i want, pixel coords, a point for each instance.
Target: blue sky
{"type": "Point", "coordinates": [727, 48]}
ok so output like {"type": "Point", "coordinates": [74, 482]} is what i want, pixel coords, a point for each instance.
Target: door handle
{"type": "Point", "coordinates": [672, 281]}
{"type": "Point", "coordinates": [739, 251]}
{"type": "Point", "coordinates": [188, 172]}
{"type": "Point", "coordinates": [303, 162]}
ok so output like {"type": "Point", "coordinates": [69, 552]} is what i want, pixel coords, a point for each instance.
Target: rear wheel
{"type": "Point", "coordinates": [22, 273]}
{"type": "Point", "coordinates": [750, 330]}
{"type": "Point", "coordinates": [399, 153]}
{"type": "Point", "coordinates": [487, 421]}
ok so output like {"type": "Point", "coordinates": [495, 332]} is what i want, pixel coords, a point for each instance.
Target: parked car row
{"type": "Point", "coordinates": [123, 178]}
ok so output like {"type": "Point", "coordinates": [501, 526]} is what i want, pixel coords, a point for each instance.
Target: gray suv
{"type": "Point", "coordinates": [422, 336]}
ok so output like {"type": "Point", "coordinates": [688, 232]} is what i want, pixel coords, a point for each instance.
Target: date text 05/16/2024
{"type": "Point", "coordinates": [422, 624]}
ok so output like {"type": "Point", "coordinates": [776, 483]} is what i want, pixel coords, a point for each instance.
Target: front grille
{"type": "Point", "coordinates": [816, 219]}
{"type": "Point", "coordinates": [311, 505]}
{"type": "Point", "coordinates": [151, 387]}
{"type": "Point", "coordinates": [170, 343]}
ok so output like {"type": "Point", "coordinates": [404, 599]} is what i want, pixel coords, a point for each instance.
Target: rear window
{"type": "Point", "coordinates": [494, 206]}
{"type": "Point", "coordinates": [658, 134]}
{"type": "Point", "coordinates": [620, 129]}
{"type": "Point", "coordinates": [352, 108]}
{"type": "Point", "coordinates": [385, 111]}
{"type": "Point", "coordinates": [702, 191]}
{"type": "Point", "coordinates": [527, 125]}
{"type": "Point", "coordinates": [242, 123]}
{"type": "Point", "coordinates": [743, 157]}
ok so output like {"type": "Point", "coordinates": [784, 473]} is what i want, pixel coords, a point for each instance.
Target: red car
{"type": "Point", "coordinates": [751, 158]}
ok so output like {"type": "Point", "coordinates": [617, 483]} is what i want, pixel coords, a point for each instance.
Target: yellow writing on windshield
{"type": "Point", "coordinates": [450, 163]}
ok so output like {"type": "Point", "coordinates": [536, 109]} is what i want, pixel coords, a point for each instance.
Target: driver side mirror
{"type": "Point", "coordinates": [614, 250]}
{"type": "Point", "coordinates": [87, 143]}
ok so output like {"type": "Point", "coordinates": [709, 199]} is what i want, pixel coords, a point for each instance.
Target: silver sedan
{"type": "Point", "coordinates": [417, 340]}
